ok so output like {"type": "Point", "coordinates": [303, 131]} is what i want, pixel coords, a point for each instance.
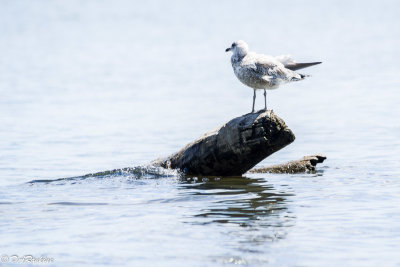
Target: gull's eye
{"type": "Point", "coordinates": [233, 44]}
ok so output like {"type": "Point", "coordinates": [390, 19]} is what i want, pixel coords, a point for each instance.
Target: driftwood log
{"type": "Point", "coordinates": [304, 165]}
{"type": "Point", "coordinates": [234, 148]}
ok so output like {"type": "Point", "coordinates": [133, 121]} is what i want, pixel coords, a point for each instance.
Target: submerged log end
{"type": "Point", "coordinates": [304, 165]}
{"type": "Point", "coordinates": [233, 148]}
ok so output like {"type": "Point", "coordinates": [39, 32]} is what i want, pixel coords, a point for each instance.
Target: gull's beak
{"type": "Point", "coordinates": [228, 49]}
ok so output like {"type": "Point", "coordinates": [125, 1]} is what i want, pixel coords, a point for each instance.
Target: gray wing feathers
{"type": "Point", "coordinates": [274, 72]}
{"type": "Point", "coordinates": [297, 66]}
{"type": "Point", "coordinates": [269, 69]}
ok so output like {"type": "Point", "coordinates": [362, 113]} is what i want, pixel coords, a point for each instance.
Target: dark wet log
{"type": "Point", "coordinates": [234, 148]}
{"type": "Point", "coordinates": [304, 165]}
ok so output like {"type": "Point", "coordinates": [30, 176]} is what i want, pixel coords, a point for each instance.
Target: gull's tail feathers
{"type": "Point", "coordinates": [297, 66]}
{"type": "Point", "coordinates": [304, 75]}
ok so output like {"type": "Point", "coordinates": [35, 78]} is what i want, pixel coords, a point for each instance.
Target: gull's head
{"type": "Point", "coordinates": [239, 48]}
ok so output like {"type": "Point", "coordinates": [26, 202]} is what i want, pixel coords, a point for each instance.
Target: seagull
{"type": "Point", "coordinates": [260, 71]}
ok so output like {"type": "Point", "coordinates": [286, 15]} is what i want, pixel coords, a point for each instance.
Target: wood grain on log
{"type": "Point", "coordinates": [234, 148]}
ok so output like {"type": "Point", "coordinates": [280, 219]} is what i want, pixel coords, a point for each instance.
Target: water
{"type": "Point", "coordinates": [96, 85]}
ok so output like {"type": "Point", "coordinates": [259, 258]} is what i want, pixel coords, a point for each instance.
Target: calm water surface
{"type": "Point", "coordinates": [92, 86]}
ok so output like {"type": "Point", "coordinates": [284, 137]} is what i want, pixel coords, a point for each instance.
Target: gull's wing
{"type": "Point", "coordinates": [297, 66]}
{"type": "Point", "coordinates": [272, 69]}
{"type": "Point", "coordinates": [291, 64]}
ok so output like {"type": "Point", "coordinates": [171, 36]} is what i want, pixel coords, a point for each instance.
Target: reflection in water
{"type": "Point", "coordinates": [257, 207]}
{"type": "Point", "coordinates": [243, 213]}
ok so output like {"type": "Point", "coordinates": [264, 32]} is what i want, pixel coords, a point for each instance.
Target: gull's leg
{"type": "Point", "coordinates": [254, 100]}
{"type": "Point", "coordinates": [265, 99]}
